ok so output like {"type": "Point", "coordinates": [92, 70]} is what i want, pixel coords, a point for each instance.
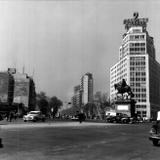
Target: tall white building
{"type": "Point", "coordinates": [138, 66]}
{"type": "Point", "coordinates": [87, 88]}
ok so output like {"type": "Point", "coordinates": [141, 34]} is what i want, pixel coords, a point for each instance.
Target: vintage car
{"type": "Point", "coordinates": [155, 134]}
{"type": "Point", "coordinates": [79, 117]}
{"type": "Point", "coordinates": [75, 118]}
{"type": "Point", "coordinates": [119, 118]}
{"type": "Point", "coordinates": [34, 116]}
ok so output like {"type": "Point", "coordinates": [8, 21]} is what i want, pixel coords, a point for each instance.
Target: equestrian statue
{"type": "Point", "coordinates": [123, 88]}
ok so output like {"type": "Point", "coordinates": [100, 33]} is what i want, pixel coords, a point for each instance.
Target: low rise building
{"type": "Point", "coordinates": [17, 89]}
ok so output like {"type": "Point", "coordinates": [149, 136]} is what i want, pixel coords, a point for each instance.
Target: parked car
{"type": "Point", "coordinates": [114, 119]}
{"type": "Point", "coordinates": [111, 119]}
{"type": "Point", "coordinates": [125, 119]}
{"type": "Point", "coordinates": [136, 119]}
{"type": "Point", "coordinates": [119, 118]}
{"type": "Point", "coordinates": [155, 133]}
{"type": "Point", "coordinates": [75, 118]}
{"type": "Point", "coordinates": [34, 116]}
{"type": "Point", "coordinates": [79, 117]}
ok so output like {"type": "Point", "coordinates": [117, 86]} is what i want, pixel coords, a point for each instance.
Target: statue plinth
{"type": "Point", "coordinates": [126, 107]}
{"type": "Point", "coordinates": [124, 102]}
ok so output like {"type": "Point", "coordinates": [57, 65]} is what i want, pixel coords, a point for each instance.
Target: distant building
{"type": "Point", "coordinates": [24, 90]}
{"type": "Point", "coordinates": [17, 88]}
{"type": "Point", "coordinates": [77, 97]}
{"type": "Point", "coordinates": [87, 88]}
{"type": "Point", "coordinates": [138, 66]}
{"type": "Point", "coordinates": [6, 88]}
{"type": "Point", "coordinates": [98, 97]}
{"type": "Point", "coordinates": [83, 93]}
{"type": "Point", "coordinates": [21, 89]}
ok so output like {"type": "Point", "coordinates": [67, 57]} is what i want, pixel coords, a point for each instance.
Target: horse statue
{"type": "Point", "coordinates": [122, 88]}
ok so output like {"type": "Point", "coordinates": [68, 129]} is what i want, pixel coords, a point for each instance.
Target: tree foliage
{"type": "Point", "coordinates": [43, 106]}
{"type": "Point", "coordinates": [90, 110]}
{"type": "Point", "coordinates": [48, 105]}
{"type": "Point", "coordinates": [42, 102]}
{"type": "Point", "coordinates": [70, 111]}
{"type": "Point", "coordinates": [41, 95]}
{"type": "Point", "coordinates": [54, 104]}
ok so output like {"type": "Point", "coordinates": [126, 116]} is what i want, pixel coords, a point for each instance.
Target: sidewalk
{"type": "Point", "coordinates": [20, 124]}
{"type": "Point", "coordinates": [17, 121]}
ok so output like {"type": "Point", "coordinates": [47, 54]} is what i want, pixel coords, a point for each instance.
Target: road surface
{"type": "Point", "coordinates": [71, 140]}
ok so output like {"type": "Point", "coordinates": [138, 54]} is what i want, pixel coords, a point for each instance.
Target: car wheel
{"type": "Point", "coordinates": [155, 142]}
{"type": "Point", "coordinates": [124, 121]}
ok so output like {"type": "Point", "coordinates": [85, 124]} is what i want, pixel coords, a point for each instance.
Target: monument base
{"type": "Point", "coordinates": [125, 107]}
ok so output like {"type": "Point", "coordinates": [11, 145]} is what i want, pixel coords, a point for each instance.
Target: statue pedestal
{"type": "Point", "coordinates": [125, 106]}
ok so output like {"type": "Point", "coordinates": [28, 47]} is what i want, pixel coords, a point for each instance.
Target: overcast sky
{"type": "Point", "coordinates": [59, 41]}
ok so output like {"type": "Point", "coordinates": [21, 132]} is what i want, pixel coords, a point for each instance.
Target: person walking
{"type": "Point", "coordinates": [7, 116]}
{"type": "Point", "coordinates": [11, 116]}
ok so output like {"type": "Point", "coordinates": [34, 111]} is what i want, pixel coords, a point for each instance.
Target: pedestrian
{"type": "Point", "coordinates": [15, 115]}
{"type": "Point", "coordinates": [7, 116]}
{"type": "Point", "coordinates": [1, 117]}
{"type": "Point", "coordinates": [11, 116]}
{"type": "Point", "coordinates": [81, 117]}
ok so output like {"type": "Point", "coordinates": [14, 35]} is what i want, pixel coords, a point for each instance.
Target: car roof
{"type": "Point", "coordinates": [35, 111]}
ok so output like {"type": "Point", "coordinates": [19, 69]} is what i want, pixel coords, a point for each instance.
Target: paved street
{"type": "Point", "coordinates": [71, 140]}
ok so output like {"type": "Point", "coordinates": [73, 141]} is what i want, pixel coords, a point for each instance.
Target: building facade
{"type": "Point", "coordinates": [6, 88]}
{"type": "Point", "coordinates": [87, 88]}
{"type": "Point", "coordinates": [17, 88]}
{"type": "Point", "coordinates": [77, 97]}
{"type": "Point", "coordinates": [24, 90]}
{"type": "Point", "coordinates": [138, 66]}
{"type": "Point", "coordinates": [21, 89]}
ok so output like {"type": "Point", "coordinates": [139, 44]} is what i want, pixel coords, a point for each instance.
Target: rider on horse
{"type": "Point", "coordinates": [122, 88]}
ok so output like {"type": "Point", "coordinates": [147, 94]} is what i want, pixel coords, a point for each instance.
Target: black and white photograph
{"type": "Point", "coordinates": [79, 80]}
